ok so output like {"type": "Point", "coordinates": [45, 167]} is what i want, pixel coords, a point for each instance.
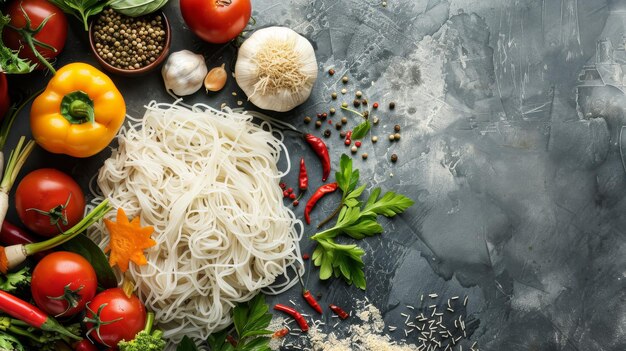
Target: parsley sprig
{"type": "Point", "coordinates": [356, 220]}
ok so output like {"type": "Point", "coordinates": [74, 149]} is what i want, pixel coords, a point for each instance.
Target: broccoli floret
{"type": "Point", "coordinates": [9, 343]}
{"type": "Point", "coordinates": [145, 340]}
{"type": "Point", "coordinates": [12, 281]}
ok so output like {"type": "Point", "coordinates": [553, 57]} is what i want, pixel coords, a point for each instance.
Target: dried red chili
{"type": "Point", "coordinates": [304, 326]}
{"type": "Point", "coordinates": [231, 340]}
{"type": "Point", "coordinates": [303, 178]}
{"type": "Point", "coordinates": [308, 297]}
{"type": "Point", "coordinates": [319, 193]}
{"type": "Point", "coordinates": [339, 311]}
{"type": "Point", "coordinates": [280, 333]}
{"type": "Point", "coordinates": [320, 149]}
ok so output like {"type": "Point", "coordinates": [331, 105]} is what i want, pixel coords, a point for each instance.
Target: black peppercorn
{"type": "Point", "coordinates": [327, 133]}
{"type": "Point", "coordinates": [307, 119]}
{"type": "Point", "coordinates": [338, 126]}
{"type": "Point", "coordinates": [392, 105]}
{"type": "Point", "coordinates": [318, 124]}
{"type": "Point", "coordinates": [396, 127]}
{"type": "Point", "coordinates": [394, 157]}
{"type": "Point", "coordinates": [356, 103]}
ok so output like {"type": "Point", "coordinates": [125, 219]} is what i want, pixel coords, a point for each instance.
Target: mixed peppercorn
{"type": "Point", "coordinates": [127, 42]}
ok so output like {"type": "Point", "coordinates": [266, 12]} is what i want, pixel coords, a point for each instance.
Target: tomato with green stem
{"type": "Point", "coordinates": [49, 201]}
{"type": "Point", "coordinates": [62, 283]}
{"type": "Point", "coordinates": [114, 315]}
{"type": "Point", "coordinates": [38, 29]}
{"type": "Point", "coordinates": [218, 21]}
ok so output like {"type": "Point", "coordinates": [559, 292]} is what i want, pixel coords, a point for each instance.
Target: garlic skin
{"type": "Point", "coordinates": [184, 72]}
{"type": "Point", "coordinates": [276, 68]}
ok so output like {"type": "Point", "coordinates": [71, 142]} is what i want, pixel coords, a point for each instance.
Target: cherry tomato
{"type": "Point", "coordinates": [85, 345]}
{"type": "Point", "coordinates": [62, 283]}
{"type": "Point", "coordinates": [41, 198]}
{"type": "Point", "coordinates": [216, 21]}
{"type": "Point", "coordinates": [54, 33]}
{"type": "Point", "coordinates": [5, 102]}
{"type": "Point", "coordinates": [120, 317]}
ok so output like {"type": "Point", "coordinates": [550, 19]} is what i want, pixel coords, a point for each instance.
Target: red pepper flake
{"type": "Point", "coordinates": [375, 105]}
{"type": "Point", "coordinates": [330, 122]}
{"type": "Point", "coordinates": [231, 340]}
{"type": "Point", "coordinates": [305, 257]}
{"type": "Point", "coordinates": [358, 144]}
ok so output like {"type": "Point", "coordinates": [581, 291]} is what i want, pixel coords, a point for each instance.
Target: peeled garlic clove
{"type": "Point", "coordinates": [215, 79]}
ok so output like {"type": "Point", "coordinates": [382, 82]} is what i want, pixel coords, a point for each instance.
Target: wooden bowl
{"type": "Point", "coordinates": [140, 71]}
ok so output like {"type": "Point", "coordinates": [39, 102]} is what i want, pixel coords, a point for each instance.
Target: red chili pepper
{"type": "Point", "coordinates": [319, 193]}
{"type": "Point", "coordinates": [280, 333]}
{"type": "Point", "coordinates": [348, 139]}
{"type": "Point", "coordinates": [304, 326]}
{"type": "Point", "coordinates": [303, 178]}
{"type": "Point", "coordinates": [311, 301]}
{"type": "Point", "coordinates": [31, 315]}
{"type": "Point", "coordinates": [13, 235]}
{"type": "Point", "coordinates": [339, 311]}
{"type": "Point", "coordinates": [320, 149]}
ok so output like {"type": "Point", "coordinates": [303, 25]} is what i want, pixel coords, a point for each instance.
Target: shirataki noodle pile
{"type": "Point", "coordinates": [207, 181]}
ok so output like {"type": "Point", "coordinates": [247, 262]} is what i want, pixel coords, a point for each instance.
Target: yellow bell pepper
{"type": "Point", "coordinates": [79, 113]}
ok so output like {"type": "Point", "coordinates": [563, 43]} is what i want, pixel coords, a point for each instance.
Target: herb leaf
{"type": "Point", "coordinates": [251, 320]}
{"type": "Point", "coordinates": [188, 345]}
{"type": "Point", "coordinates": [361, 130]}
{"type": "Point", "coordinates": [81, 9]}
{"type": "Point", "coordinates": [389, 205]}
{"type": "Point", "coordinates": [357, 221]}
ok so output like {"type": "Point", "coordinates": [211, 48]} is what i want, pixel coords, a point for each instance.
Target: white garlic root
{"type": "Point", "coordinates": [276, 68]}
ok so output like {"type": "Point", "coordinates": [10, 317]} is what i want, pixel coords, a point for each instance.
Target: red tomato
{"type": "Point", "coordinates": [5, 102]}
{"type": "Point", "coordinates": [121, 318]}
{"type": "Point", "coordinates": [218, 21]}
{"type": "Point", "coordinates": [62, 283]}
{"type": "Point", "coordinates": [54, 32]}
{"type": "Point", "coordinates": [41, 198]}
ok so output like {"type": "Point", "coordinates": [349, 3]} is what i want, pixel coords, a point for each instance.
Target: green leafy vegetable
{"type": "Point", "coordinates": [81, 9]}
{"type": "Point", "coordinates": [357, 221]}
{"type": "Point", "coordinates": [251, 320]}
{"type": "Point", "coordinates": [361, 130]}
{"type": "Point", "coordinates": [187, 345]}
{"type": "Point", "coordinates": [83, 246]}
{"type": "Point", "coordinates": [42, 340]}
{"type": "Point", "coordinates": [9, 61]}
{"type": "Point", "coordinates": [136, 8]}
{"type": "Point", "coordinates": [9, 342]}
{"type": "Point", "coordinates": [13, 281]}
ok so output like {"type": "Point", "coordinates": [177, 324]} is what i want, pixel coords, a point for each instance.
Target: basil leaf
{"type": "Point", "coordinates": [136, 8]}
{"type": "Point", "coordinates": [83, 246]}
{"type": "Point", "coordinates": [361, 130]}
{"type": "Point", "coordinates": [187, 344]}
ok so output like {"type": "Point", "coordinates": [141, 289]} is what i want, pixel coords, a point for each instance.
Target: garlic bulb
{"type": "Point", "coordinates": [184, 72]}
{"type": "Point", "coordinates": [276, 68]}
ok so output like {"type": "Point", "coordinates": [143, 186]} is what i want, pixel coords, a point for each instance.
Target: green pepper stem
{"type": "Point", "coordinates": [27, 33]}
{"type": "Point", "coordinates": [95, 215]}
{"type": "Point", "coordinates": [81, 110]}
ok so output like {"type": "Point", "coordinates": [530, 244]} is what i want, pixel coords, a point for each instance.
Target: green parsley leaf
{"type": "Point", "coordinates": [12, 281]}
{"type": "Point", "coordinates": [361, 130]}
{"type": "Point", "coordinates": [357, 221]}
